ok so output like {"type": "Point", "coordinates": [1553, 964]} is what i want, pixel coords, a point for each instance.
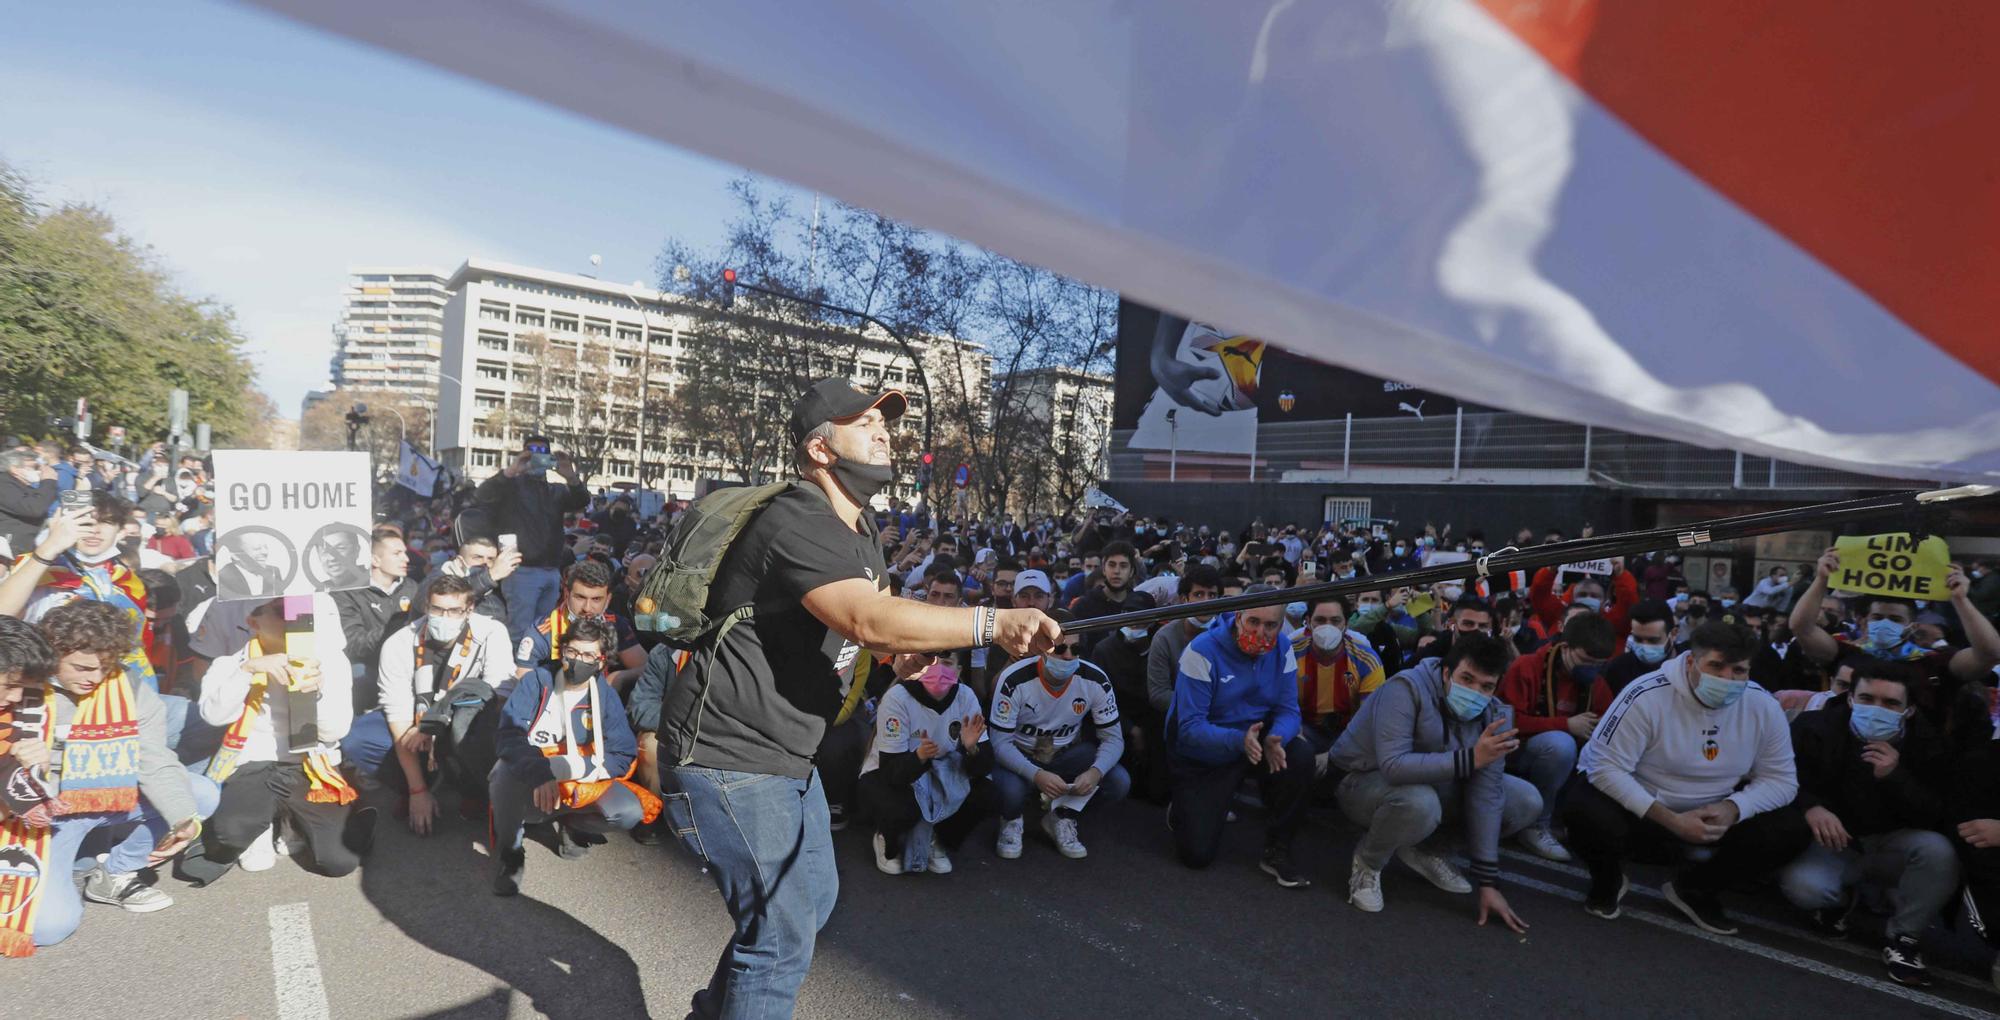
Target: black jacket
{"type": "Point", "coordinates": [1833, 776]}
{"type": "Point", "coordinates": [1094, 603]}
{"type": "Point", "coordinates": [531, 508]}
{"type": "Point", "coordinates": [23, 509]}
{"type": "Point", "coordinates": [366, 617]}
{"type": "Point", "coordinates": [1125, 663]}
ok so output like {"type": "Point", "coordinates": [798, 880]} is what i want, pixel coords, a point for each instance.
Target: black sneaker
{"type": "Point", "coordinates": [836, 817]}
{"type": "Point", "coordinates": [1277, 863]}
{"type": "Point", "coordinates": [647, 833]}
{"type": "Point", "coordinates": [1831, 922]}
{"type": "Point", "coordinates": [508, 881]}
{"type": "Point", "coordinates": [1702, 908]}
{"type": "Point", "coordinates": [1605, 903]}
{"type": "Point", "coordinates": [358, 834]}
{"type": "Point", "coordinates": [1905, 964]}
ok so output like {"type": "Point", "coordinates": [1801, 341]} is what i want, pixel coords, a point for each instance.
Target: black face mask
{"type": "Point", "coordinates": [862, 481]}
{"type": "Point", "coordinates": [577, 672]}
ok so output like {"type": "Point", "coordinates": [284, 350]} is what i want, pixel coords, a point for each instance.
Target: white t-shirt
{"type": "Point", "coordinates": [552, 728]}
{"type": "Point", "coordinates": [1027, 712]}
{"type": "Point", "coordinates": [902, 722]}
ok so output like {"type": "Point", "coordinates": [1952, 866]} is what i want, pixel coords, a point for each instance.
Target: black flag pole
{"type": "Point", "coordinates": [1504, 561]}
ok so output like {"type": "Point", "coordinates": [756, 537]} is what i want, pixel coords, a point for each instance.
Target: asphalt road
{"type": "Point", "coordinates": [632, 931]}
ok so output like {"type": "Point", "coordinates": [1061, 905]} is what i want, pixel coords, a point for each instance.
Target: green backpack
{"type": "Point", "coordinates": [673, 599]}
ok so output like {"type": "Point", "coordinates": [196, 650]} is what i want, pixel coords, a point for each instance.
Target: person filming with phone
{"type": "Point", "coordinates": [524, 502]}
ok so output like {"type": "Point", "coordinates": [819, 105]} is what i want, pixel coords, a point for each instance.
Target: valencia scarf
{"type": "Point", "coordinates": [25, 827]}
{"type": "Point", "coordinates": [579, 793]}
{"type": "Point", "coordinates": [117, 584]}
{"type": "Point", "coordinates": [328, 785]}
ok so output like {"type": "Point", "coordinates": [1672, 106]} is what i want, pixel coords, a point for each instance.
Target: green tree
{"type": "Point", "coordinates": [87, 312]}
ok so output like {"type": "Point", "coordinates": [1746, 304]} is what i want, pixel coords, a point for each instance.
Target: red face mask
{"type": "Point", "coordinates": [1254, 644]}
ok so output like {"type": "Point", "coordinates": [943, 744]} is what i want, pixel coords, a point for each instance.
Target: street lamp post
{"type": "Point", "coordinates": [923, 378]}
{"type": "Point", "coordinates": [357, 416]}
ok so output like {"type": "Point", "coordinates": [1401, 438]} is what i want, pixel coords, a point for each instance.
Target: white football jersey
{"type": "Point", "coordinates": [903, 721]}
{"type": "Point", "coordinates": [1040, 720]}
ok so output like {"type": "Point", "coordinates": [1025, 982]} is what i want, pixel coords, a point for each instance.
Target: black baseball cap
{"type": "Point", "coordinates": [835, 398]}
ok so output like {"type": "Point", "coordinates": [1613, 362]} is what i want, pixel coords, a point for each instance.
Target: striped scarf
{"type": "Point", "coordinates": [120, 586]}
{"type": "Point", "coordinates": [100, 757]}
{"type": "Point", "coordinates": [1335, 689]}
{"type": "Point", "coordinates": [25, 829]}
{"type": "Point", "coordinates": [328, 786]}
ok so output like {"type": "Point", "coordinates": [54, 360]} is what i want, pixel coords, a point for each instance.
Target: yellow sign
{"type": "Point", "coordinates": [1892, 564]}
{"type": "Point", "coordinates": [1421, 604]}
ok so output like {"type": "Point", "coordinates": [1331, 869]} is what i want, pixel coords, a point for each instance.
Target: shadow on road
{"type": "Point", "coordinates": [438, 892]}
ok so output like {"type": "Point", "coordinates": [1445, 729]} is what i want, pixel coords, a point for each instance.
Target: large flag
{"type": "Point", "coordinates": [1767, 226]}
{"type": "Point", "coordinates": [416, 472]}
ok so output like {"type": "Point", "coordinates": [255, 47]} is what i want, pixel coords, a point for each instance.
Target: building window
{"type": "Point", "coordinates": [493, 313]}
{"type": "Point", "coordinates": [562, 325]}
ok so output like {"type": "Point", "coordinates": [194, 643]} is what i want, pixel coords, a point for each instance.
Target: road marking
{"type": "Point", "coordinates": [295, 964]}
{"type": "Point", "coordinates": [1752, 921]}
{"type": "Point", "coordinates": [1774, 955]}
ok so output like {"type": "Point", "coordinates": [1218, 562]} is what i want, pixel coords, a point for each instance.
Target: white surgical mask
{"type": "Point", "coordinates": [443, 629]}
{"type": "Point", "coordinates": [1326, 637]}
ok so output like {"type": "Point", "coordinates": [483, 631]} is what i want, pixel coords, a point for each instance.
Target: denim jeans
{"type": "Point", "coordinates": [131, 838]}
{"type": "Point", "coordinates": [532, 594]}
{"type": "Point", "coordinates": [765, 840]}
{"type": "Point", "coordinates": [1919, 865]}
{"type": "Point", "coordinates": [1546, 760]}
{"type": "Point", "coordinates": [513, 800]}
{"type": "Point", "coordinates": [1408, 815]}
{"type": "Point", "coordinates": [1072, 761]}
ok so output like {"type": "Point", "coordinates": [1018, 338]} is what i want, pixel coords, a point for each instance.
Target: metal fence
{"type": "Point", "coordinates": [1479, 446]}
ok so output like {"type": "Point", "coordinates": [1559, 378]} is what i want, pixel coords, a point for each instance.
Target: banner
{"type": "Point", "coordinates": [290, 523]}
{"type": "Point", "coordinates": [1513, 203]}
{"type": "Point", "coordinates": [1601, 569]}
{"type": "Point", "coordinates": [1892, 564]}
{"type": "Point", "coordinates": [416, 472]}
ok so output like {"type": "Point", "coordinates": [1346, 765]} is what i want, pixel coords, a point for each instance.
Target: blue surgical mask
{"type": "Point", "coordinates": [1295, 611]}
{"type": "Point", "coordinates": [1651, 655]}
{"type": "Point", "coordinates": [1873, 722]}
{"type": "Point", "coordinates": [1060, 669]}
{"type": "Point", "coordinates": [1133, 633]}
{"type": "Point", "coordinates": [1588, 601]}
{"type": "Point", "coordinates": [1401, 549]}
{"type": "Point", "coordinates": [1884, 634]}
{"type": "Point", "coordinates": [1719, 692]}
{"type": "Point", "coordinates": [1726, 603]}
{"type": "Point", "coordinates": [1464, 702]}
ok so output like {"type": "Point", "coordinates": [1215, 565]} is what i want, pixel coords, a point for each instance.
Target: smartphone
{"type": "Point", "coordinates": [539, 456]}
{"type": "Point", "coordinates": [75, 499]}
{"type": "Point", "coordinates": [509, 542]}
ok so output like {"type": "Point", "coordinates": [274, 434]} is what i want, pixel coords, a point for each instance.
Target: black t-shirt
{"type": "Point", "coordinates": [777, 678]}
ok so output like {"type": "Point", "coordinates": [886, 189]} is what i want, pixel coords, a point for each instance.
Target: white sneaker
{"type": "Point", "coordinates": [1435, 869]}
{"type": "Point", "coordinates": [1322, 762]}
{"type": "Point", "coordinates": [1543, 843]}
{"type": "Point", "coordinates": [884, 863]}
{"type": "Point", "coordinates": [1063, 832]}
{"type": "Point", "coordinates": [261, 854]}
{"type": "Point", "coordinates": [940, 864]}
{"type": "Point", "coordinates": [1364, 887]}
{"type": "Point", "coordinates": [124, 891]}
{"type": "Point", "coordinates": [1008, 846]}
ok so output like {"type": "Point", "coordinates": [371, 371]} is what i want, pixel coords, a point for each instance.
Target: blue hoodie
{"type": "Point", "coordinates": [1219, 693]}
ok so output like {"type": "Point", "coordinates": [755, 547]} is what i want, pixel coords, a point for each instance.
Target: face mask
{"type": "Point", "coordinates": [1401, 549]}
{"type": "Point", "coordinates": [1363, 607]}
{"type": "Point", "coordinates": [1884, 634]}
{"type": "Point", "coordinates": [1255, 644]}
{"type": "Point", "coordinates": [1059, 669]}
{"type": "Point", "coordinates": [1202, 622]}
{"type": "Point", "coordinates": [1295, 611]}
{"type": "Point", "coordinates": [1585, 675]}
{"type": "Point", "coordinates": [1781, 580]}
{"type": "Point", "coordinates": [1345, 575]}
{"type": "Point", "coordinates": [1465, 703]}
{"type": "Point", "coordinates": [1588, 601]}
{"type": "Point", "coordinates": [1873, 722]}
{"type": "Point", "coordinates": [1326, 637]}
{"type": "Point", "coordinates": [1726, 603]}
{"type": "Point", "coordinates": [1651, 655]}
{"type": "Point", "coordinates": [578, 672]}
{"type": "Point", "coordinates": [1133, 634]}
{"type": "Point", "coordinates": [442, 629]}
{"type": "Point", "coordinates": [1451, 592]}
{"type": "Point", "coordinates": [1719, 692]}
{"type": "Point", "coordinates": [939, 679]}
{"type": "Point", "coordinates": [861, 481]}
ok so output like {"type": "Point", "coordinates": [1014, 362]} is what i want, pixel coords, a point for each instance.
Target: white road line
{"type": "Point", "coordinates": [295, 964]}
{"type": "Point", "coordinates": [1775, 955]}
{"type": "Point", "coordinates": [1751, 921]}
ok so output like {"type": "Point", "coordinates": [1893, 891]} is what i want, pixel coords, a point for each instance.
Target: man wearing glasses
{"type": "Point", "coordinates": [435, 675]}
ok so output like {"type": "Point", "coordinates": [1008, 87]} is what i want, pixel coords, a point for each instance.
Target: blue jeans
{"type": "Point", "coordinates": [532, 593]}
{"type": "Point", "coordinates": [131, 837]}
{"type": "Point", "coordinates": [766, 841]}
{"type": "Point", "coordinates": [1546, 760]}
{"type": "Point", "coordinates": [1072, 761]}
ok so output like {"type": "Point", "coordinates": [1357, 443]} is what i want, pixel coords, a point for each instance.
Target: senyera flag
{"type": "Point", "coordinates": [1767, 226]}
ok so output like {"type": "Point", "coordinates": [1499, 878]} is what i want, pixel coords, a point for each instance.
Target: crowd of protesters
{"type": "Point", "coordinates": [1834, 747]}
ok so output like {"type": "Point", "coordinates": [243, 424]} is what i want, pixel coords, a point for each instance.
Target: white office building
{"type": "Point", "coordinates": [503, 323]}
{"type": "Point", "coordinates": [391, 329]}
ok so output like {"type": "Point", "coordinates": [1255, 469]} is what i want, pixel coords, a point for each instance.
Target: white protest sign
{"type": "Point", "coordinates": [1446, 557]}
{"type": "Point", "coordinates": [290, 523]}
{"type": "Point", "coordinates": [1599, 568]}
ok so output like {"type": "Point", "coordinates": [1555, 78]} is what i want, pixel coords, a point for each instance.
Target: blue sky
{"type": "Point", "coordinates": [261, 159]}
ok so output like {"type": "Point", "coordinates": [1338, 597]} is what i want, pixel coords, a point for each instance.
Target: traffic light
{"type": "Point", "coordinates": [729, 288]}
{"type": "Point", "coordinates": [924, 471]}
